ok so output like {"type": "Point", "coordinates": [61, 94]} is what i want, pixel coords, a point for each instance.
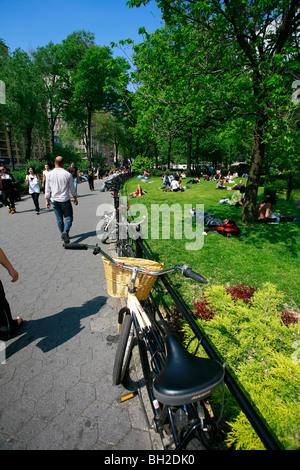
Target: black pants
{"type": "Point", "coordinates": [8, 326]}
{"type": "Point", "coordinates": [35, 197]}
{"type": "Point", "coordinates": [91, 183]}
{"type": "Point", "coordinates": [8, 198]}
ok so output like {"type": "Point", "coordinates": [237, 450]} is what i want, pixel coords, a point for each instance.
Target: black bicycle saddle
{"type": "Point", "coordinates": [185, 378]}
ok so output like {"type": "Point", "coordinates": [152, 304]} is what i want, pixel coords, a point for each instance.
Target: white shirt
{"type": "Point", "coordinates": [59, 184]}
{"type": "Point", "coordinates": [34, 185]}
{"type": "Point", "coordinates": [46, 173]}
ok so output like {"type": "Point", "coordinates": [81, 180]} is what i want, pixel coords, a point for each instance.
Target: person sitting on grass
{"type": "Point", "coordinates": [263, 208]}
{"type": "Point", "coordinates": [236, 199]}
{"type": "Point", "coordinates": [166, 181]}
{"type": "Point", "coordinates": [220, 184]}
{"type": "Point", "coordinates": [237, 186]}
{"type": "Point", "coordinates": [176, 184]}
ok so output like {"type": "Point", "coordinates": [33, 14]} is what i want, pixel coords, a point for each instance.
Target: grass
{"type": "Point", "coordinates": [263, 253]}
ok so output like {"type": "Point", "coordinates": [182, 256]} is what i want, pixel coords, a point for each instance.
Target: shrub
{"type": "Point", "coordinates": [141, 164]}
{"type": "Point", "coordinates": [241, 292]}
{"type": "Point", "coordinates": [258, 348]}
{"type": "Point", "coordinates": [203, 310]}
{"type": "Point", "coordinates": [157, 172]}
{"type": "Point", "coordinates": [288, 318]}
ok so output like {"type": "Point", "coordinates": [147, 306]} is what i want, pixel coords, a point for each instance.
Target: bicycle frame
{"type": "Point", "coordinates": [111, 225]}
{"type": "Point", "coordinates": [150, 340]}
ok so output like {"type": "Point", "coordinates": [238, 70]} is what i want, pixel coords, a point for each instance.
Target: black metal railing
{"type": "Point", "coordinates": [257, 422]}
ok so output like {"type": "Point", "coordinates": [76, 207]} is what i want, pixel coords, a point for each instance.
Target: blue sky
{"type": "Point", "coordinates": [31, 23]}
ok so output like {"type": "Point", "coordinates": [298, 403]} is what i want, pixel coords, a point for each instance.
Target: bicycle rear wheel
{"type": "Point", "coordinates": [123, 351]}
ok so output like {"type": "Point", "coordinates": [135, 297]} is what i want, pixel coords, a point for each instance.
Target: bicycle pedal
{"type": "Point", "coordinates": [128, 396]}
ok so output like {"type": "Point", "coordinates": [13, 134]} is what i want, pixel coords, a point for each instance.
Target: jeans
{"type": "Point", "coordinates": [64, 215]}
{"type": "Point", "coordinates": [75, 180]}
{"type": "Point", "coordinates": [210, 220]}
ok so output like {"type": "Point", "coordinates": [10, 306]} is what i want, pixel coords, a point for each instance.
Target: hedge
{"type": "Point", "coordinates": [260, 350]}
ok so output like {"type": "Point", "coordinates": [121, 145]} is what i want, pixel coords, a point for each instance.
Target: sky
{"type": "Point", "coordinates": [27, 24]}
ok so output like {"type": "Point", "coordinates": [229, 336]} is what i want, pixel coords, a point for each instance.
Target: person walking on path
{"type": "Point", "coordinates": [74, 172]}
{"type": "Point", "coordinates": [59, 185]}
{"type": "Point", "coordinates": [90, 174]}
{"type": "Point", "coordinates": [6, 185]}
{"type": "Point", "coordinates": [33, 181]}
{"type": "Point", "coordinates": [8, 326]}
{"type": "Point", "coordinates": [45, 174]}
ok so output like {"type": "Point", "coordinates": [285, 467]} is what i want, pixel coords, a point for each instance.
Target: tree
{"type": "Point", "coordinates": [141, 164]}
{"type": "Point", "coordinates": [49, 63]}
{"type": "Point", "coordinates": [26, 103]}
{"type": "Point", "coordinates": [95, 84]}
{"type": "Point", "coordinates": [184, 87]}
{"type": "Point", "coordinates": [108, 130]}
{"type": "Point", "coordinates": [263, 36]}
{"type": "Point", "coordinates": [162, 100]}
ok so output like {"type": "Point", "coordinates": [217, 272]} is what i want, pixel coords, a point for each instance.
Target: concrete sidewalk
{"type": "Point", "coordinates": [55, 387]}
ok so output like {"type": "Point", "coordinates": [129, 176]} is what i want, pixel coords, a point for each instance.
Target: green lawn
{"type": "Point", "coordinates": [263, 253]}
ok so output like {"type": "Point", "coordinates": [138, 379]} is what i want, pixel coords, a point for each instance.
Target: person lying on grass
{"type": "Point", "coordinates": [139, 192]}
{"type": "Point", "coordinates": [226, 227]}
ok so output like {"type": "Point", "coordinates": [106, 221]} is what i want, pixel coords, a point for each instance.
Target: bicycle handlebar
{"type": "Point", "coordinates": [185, 269]}
{"type": "Point", "coordinates": [188, 272]}
{"type": "Point", "coordinates": [76, 246]}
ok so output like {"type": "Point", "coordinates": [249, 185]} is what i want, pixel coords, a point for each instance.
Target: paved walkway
{"type": "Point", "coordinates": [55, 387]}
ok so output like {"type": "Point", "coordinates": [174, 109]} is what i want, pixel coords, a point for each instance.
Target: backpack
{"type": "Point", "coordinates": [229, 230]}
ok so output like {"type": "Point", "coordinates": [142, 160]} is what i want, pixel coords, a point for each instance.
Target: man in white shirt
{"type": "Point", "coordinates": [59, 185]}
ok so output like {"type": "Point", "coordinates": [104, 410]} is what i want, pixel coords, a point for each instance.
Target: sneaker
{"type": "Point", "coordinates": [65, 237]}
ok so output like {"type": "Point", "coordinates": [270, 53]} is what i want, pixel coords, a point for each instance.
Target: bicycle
{"type": "Point", "coordinates": [111, 227]}
{"type": "Point", "coordinates": [177, 382]}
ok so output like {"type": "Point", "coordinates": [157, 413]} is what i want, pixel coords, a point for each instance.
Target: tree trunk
{"type": "Point", "coordinates": [169, 152]}
{"type": "Point", "coordinates": [197, 152]}
{"type": "Point", "coordinates": [116, 146]}
{"type": "Point", "coordinates": [248, 213]}
{"type": "Point", "coordinates": [88, 136]}
{"type": "Point", "coordinates": [28, 142]}
{"type": "Point", "coordinates": [189, 153]}
{"type": "Point", "coordinates": [156, 156]}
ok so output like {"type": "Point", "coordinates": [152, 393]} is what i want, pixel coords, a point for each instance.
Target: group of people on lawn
{"type": "Point", "coordinates": [227, 226]}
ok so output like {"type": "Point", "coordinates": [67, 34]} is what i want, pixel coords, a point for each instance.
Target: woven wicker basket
{"type": "Point", "coordinates": [118, 279]}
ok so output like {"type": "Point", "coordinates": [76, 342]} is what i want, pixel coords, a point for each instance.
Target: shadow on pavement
{"type": "Point", "coordinates": [56, 329]}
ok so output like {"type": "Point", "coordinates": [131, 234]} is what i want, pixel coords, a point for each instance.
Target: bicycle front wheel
{"type": "Point", "coordinates": [123, 351]}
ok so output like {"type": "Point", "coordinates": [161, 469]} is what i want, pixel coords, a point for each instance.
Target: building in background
{"type": "Point", "coordinates": [39, 149]}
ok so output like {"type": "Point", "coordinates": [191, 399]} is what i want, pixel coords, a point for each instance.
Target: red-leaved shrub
{"type": "Point", "coordinates": [241, 292]}
{"type": "Point", "coordinates": [203, 310]}
{"type": "Point", "coordinates": [288, 318]}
